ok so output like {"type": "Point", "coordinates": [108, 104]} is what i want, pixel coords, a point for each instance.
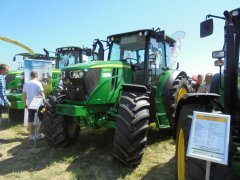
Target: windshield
{"type": "Point", "coordinates": [129, 48]}
{"type": "Point", "coordinates": [66, 58]}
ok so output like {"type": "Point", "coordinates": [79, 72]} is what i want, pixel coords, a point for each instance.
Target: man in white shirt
{"type": "Point", "coordinates": [205, 87]}
{"type": "Point", "coordinates": [31, 89]}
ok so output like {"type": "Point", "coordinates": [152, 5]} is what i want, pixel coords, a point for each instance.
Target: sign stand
{"type": "Point", "coordinates": [35, 133]}
{"type": "Point", "coordinates": [208, 168]}
{"type": "Point", "coordinates": [209, 138]}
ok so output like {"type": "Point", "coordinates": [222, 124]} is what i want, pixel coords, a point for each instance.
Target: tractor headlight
{"type": "Point", "coordinates": [77, 74]}
{"type": "Point", "coordinates": [81, 74]}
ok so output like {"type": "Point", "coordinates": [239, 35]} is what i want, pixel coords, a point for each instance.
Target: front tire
{"type": "Point", "coordinates": [192, 168]}
{"type": "Point", "coordinates": [59, 130]}
{"type": "Point", "coordinates": [132, 124]}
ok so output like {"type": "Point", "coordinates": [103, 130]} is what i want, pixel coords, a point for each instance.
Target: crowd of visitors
{"type": "Point", "coordinates": [198, 86]}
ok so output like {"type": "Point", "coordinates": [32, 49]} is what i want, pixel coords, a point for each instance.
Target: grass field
{"type": "Point", "coordinates": [89, 158]}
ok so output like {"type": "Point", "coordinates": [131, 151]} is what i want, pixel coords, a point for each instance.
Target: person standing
{"type": "Point", "coordinates": [31, 89]}
{"type": "Point", "coordinates": [205, 87]}
{"type": "Point", "coordinates": [196, 85]}
{"type": "Point", "coordinates": [3, 97]}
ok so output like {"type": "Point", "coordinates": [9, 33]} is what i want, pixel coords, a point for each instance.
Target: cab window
{"type": "Point", "coordinates": [156, 56]}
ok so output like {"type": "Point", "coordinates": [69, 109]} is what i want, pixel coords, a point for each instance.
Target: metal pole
{"type": "Point", "coordinates": [9, 120]}
{"type": "Point", "coordinates": [35, 132]}
{"type": "Point", "coordinates": [208, 167]}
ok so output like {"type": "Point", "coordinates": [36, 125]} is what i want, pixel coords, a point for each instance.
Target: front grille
{"type": "Point", "coordinates": [80, 89]}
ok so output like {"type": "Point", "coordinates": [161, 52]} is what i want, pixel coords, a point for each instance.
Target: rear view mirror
{"type": "Point", "coordinates": [206, 28]}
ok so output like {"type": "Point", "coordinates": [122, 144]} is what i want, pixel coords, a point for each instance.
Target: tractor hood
{"type": "Point", "coordinates": [95, 82]}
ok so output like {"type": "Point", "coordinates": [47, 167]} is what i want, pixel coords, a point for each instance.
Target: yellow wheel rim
{"type": "Point", "coordinates": [181, 156]}
{"type": "Point", "coordinates": [181, 93]}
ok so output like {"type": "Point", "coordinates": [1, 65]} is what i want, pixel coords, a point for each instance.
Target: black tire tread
{"type": "Point", "coordinates": [55, 127]}
{"type": "Point", "coordinates": [131, 128]}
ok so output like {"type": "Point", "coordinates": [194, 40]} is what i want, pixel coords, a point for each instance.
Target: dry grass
{"type": "Point", "coordinates": [89, 158]}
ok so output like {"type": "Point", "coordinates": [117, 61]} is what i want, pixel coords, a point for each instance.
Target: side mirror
{"type": "Point", "coordinates": [14, 58]}
{"type": "Point", "coordinates": [206, 28]}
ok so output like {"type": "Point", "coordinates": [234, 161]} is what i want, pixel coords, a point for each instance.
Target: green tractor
{"type": "Point", "coordinates": [65, 56]}
{"type": "Point", "coordinates": [227, 84]}
{"type": "Point", "coordinates": [136, 86]}
{"type": "Point", "coordinates": [15, 81]}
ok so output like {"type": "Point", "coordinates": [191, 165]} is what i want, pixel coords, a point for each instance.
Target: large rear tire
{"type": "Point", "coordinates": [59, 130]}
{"type": "Point", "coordinates": [132, 125]}
{"type": "Point", "coordinates": [191, 168]}
{"type": "Point", "coordinates": [177, 91]}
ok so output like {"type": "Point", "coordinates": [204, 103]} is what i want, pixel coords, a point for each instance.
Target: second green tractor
{"type": "Point", "coordinates": [138, 85]}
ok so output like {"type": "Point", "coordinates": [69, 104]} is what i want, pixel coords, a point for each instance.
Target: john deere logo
{"type": "Point", "coordinates": [106, 75]}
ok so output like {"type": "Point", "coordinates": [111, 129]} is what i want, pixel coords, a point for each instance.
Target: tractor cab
{"type": "Point", "coordinates": [73, 55]}
{"type": "Point", "coordinates": [230, 53]}
{"type": "Point", "coordinates": [147, 51]}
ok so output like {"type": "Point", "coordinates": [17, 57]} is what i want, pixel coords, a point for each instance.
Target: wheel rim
{"type": "Point", "coordinates": [181, 156]}
{"type": "Point", "coordinates": [181, 93]}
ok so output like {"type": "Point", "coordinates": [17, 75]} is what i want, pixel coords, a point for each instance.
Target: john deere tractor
{"type": "Point", "coordinates": [227, 84]}
{"type": "Point", "coordinates": [136, 86]}
{"type": "Point", "coordinates": [65, 56]}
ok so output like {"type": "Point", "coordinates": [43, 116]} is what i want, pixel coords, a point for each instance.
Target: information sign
{"type": "Point", "coordinates": [209, 137]}
{"type": "Point", "coordinates": [36, 102]}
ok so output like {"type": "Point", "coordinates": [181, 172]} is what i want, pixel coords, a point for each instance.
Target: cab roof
{"type": "Point", "coordinates": [160, 35]}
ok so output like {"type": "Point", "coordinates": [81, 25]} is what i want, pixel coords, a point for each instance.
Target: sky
{"type": "Point", "coordinates": [57, 23]}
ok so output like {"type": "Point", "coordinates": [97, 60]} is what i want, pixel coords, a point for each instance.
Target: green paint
{"type": "Point", "coordinates": [162, 119]}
